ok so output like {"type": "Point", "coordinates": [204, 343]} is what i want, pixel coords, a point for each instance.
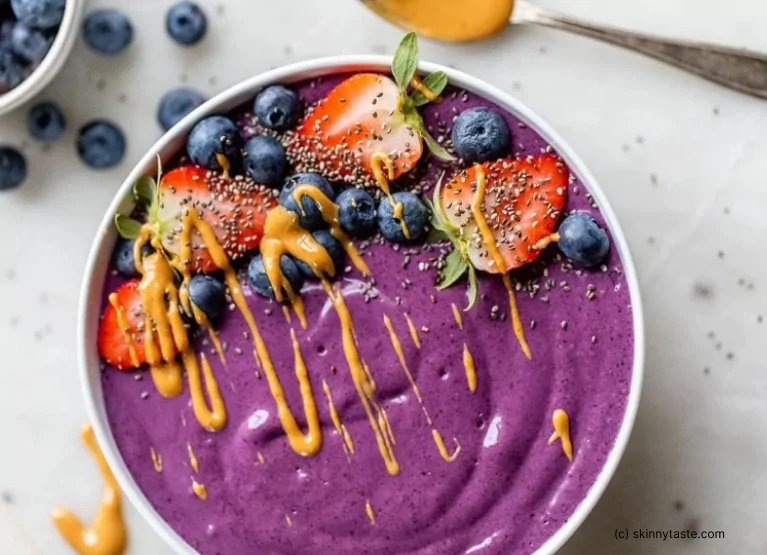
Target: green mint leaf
{"type": "Point", "coordinates": [435, 82]}
{"type": "Point", "coordinates": [473, 289]}
{"type": "Point", "coordinates": [436, 149]}
{"type": "Point", "coordinates": [127, 227]}
{"type": "Point", "coordinates": [453, 270]}
{"type": "Point", "coordinates": [405, 61]}
{"type": "Point", "coordinates": [436, 235]}
{"type": "Point", "coordinates": [144, 190]}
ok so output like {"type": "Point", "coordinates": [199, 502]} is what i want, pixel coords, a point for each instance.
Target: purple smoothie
{"type": "Point", "coordinates": [507, 491]}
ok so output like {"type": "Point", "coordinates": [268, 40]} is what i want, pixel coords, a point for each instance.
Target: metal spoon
{"type": "Point", "coordinates": [735, 68]}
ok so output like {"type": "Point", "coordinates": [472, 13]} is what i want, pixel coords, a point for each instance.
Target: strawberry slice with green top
{"type": "Point", "coordinates": [235, 209]}
{"type": "Point", "coordinates": [120, 338]}
{"type": "Point", "coordinates": [523, 201]}
{"type": "Point", "coordinates": [370, 114]}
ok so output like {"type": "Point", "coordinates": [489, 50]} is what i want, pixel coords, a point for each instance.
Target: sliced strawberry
{"type": "Point", "coordinates": [524, 199]}
{"type": "Point", "coordinates": [235, 208]}
{"type": "Point", "coordinates": [113, 345]}
{"type": "Point", "coordinates": [360, 117]}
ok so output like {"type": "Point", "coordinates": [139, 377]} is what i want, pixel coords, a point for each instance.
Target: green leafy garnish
{"type": "Point", "coordinates": [456, 264]}
{"type": "Point", "coordinates": [435, 82]}
{"type": "Point", "coordinates": [404, 67]}
{"type": "Point", "coordinates": [127, 227]}
{"type": "Point", "coordinates": [144, 190]}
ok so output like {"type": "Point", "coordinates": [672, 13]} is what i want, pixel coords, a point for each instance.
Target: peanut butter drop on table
{"type": "Point", "coordinates": [108, 534]}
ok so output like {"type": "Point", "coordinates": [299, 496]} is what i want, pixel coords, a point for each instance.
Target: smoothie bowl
{"type": "Point", "coordinates": [362, 315]}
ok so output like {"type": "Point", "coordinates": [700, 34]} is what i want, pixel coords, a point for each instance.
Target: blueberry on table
{"type": "Point", "coordinates": [30, 44]}
{"type": "Point", "coordinates": [414, 213]}
{"type": "Point", "coordinates": [356, 212]}
{"type": "Point", "coordinates": [212, 136]}
{"type": "Point", "coordinates": [45, 122]}
{"type": "Point", "coordinates": [480, 134]}
{"type": "Point", "coordinates": [176, 104]}
{"type": "Point", "coordinates": [186, 23]}
{"type": "Point", "coordinates": [311, 219]}
{"type": "Point", "coordinates": [277, 107]}
{"type": "Point", "coordinates": [13, 168]}
{"type": "Point", "coordinates": [11, 70]}
{"type": "Point", "coordinates": [265, 160]}
{"type": "Point", "coordinates": [259, 281]}
{"type": "Point", "coordinates": [582, 240]}
{"type": "Point", "coordinates": [40, 14]}
{"type": "Point", "coordinates": [101, 144]}
{"type": "Point", "coordinates": [208, 295]}
{"type": "Point", "coordinates": [123, 260]}
{"type": "Point", "coordinates": [107, 32]}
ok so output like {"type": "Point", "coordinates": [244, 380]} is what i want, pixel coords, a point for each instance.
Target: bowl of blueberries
{"type": "Point", "coordinates": [36, 36]}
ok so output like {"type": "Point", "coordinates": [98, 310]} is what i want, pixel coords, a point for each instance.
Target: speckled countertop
{"type": "Point", "coordinates": [683, 162]}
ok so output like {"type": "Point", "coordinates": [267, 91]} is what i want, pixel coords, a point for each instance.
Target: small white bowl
{"type": "Point", "coordinates": [51, 64]}
{"type": "Point", "coordinates": [175, 139]}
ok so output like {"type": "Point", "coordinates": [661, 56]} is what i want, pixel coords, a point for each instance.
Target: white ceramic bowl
{"type": "Point", "coordinates": [171, 142]}
{"type": "Point", "coordinates": [51, 64]}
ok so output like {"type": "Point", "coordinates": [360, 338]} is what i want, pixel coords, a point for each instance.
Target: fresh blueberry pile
{"type": "Point", "coordinates": [27, 30]}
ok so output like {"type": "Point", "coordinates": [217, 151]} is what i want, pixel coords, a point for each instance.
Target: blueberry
{"type": "Point", "coordinates": [277, 107]}
{"type": "Point", "coordinates": [357, 212]}
{"type": "Point", "coordinates": [414, 212]}
{"type": "Point", "coordinates": [211, 136]}
{"type": "Point", "coordinates": [108, 32]}
{"type": "Point", "coordinates": [177, 103]}
{"type": "Point", "coordinates": [265, 160]}
{"type": "Point", "coordinates": [40, 14]}
{"type": "Point", "coordinates": [123, 260]}
{"type": "Point", "coordinates": [30, 44]}
{"type": "Point", "coordinates": [207, 294]}
{"type": "Point", "coordinates": [334, 249]}
{"type": "Point", "coordinates": [259, 281]}
{"type": "Point", "coordinates": [11, 70]}
{"type": "Point", "coordinates": [312, 217]}
{"type": "Point", "coordinates": [101, 144]}
{"type": "Point", "coordinates": [13, 168]}
{"type": "Point", "coordinates": [480, 134]}
{"type": "Point", "coordinates": [45, 122]}
{"type": "Point", "coordinates": [582, 240]}
{"type": "Point", "coordinates": [186, 23]}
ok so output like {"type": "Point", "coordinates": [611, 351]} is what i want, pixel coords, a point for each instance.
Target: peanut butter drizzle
{"type": "Point", "coordinates": [260, 457]}
{"type": "Point", "coordinates": [419, 85]}
{"type": "Point", "coordinates": [108, 534]}
{"type": "Point", "coordinates": [561, 423]}
{"type": "Point", "coordinates": [348, 444]}
{"type": "Point", "coordinates": [492, 248]}
{"type": "Point", "coordinates": [457, 315]}
{"type": "Point", "coordinates": [192, 457]}
{"type": "Point", "coordinates": [122, 321]}
{"type": "Point", "coordinates": [199, 490]}
{"type": "Point", "coordinates": [212, 419]}
{"type": "Point", "coordinates": [288, 521]}
{"type": "Point", "coordinates": [376, 414]}
{"type": "Point", "coordinates": [413, 331]}
{"type": "Point", "coordinates": [322, 266]}
{"type": "Point", "coordinates": [546, 241]}
{"type": "Point", "coordinates": [397, 345]}
{"type": "Point", "coordinates": [377, 161]}
{"type": "Point", "coordinates": [443, 449]}
{"type": "Point", "coordinates": [156, 460]}
{"type": "Point", "coordinates": [286, 313]}
{"type": "Point", "coordinates": [471, 372]}
{"type": "Point", "coordinates": [226, 167]}
{"type": "Point", "coordinates": [202, 320]}
{"type": "Point", "coordinates": [371, 514]}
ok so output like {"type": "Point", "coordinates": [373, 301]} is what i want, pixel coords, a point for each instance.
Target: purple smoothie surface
{"type": "Point", "coordinates": [507, 492]}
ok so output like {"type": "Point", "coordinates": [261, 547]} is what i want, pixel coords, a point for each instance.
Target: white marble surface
{"type": "Point", "coordinates": [683, 162]}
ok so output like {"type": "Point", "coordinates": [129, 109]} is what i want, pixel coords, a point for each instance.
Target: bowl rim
{"type": "Point", "coordinates": [54, 60]}
{"type": "Point", "coordinates": [91, 292]}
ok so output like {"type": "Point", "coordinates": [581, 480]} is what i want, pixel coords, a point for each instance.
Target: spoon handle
{"type": "Point", "coordinates": [734, 68]}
